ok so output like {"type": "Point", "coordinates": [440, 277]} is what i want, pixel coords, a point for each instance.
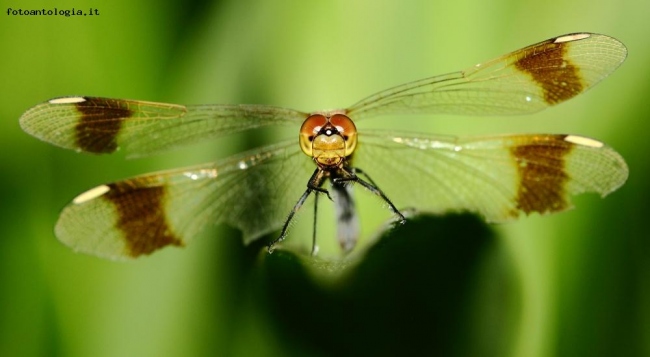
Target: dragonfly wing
{"type": "Point", "coordinates": [253, 192]}
{"type": "Point", "coordinates": [102, 125]}
{"type": "Point", "coordinates": [524, 81]}
{"type": "Point", "coordinates": [498, 177]}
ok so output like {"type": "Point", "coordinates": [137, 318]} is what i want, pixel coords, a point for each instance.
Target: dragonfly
{"type": "Point", "coordinates": [259, 192]}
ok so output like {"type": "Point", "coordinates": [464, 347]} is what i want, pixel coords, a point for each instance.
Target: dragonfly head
{"type": "Point", "coordinates": [328, 139]}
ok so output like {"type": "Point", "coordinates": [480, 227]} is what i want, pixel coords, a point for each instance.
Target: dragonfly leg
{"type": "Point", "coordinates": [313, 185]}
{"type": "Point", "coordinates": [353, 175]}
{"type": "Point", "coordinates": [313, 237]}
{"type": "Point", "coordinates": [293, 212]}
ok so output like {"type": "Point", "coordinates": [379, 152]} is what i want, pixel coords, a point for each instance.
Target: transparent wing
{"type": "Point", "coordinates": [498, 177]}
{"type": "Point", "coordinates": [524, 81]}
{"type": "Point", "coordinates": [253, 192]}
{"type": "Point", "coordinates": [102, 125]}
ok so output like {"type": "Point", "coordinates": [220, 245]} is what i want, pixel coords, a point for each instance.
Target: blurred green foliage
{"type": "Point", "coordinates": [574, 284]}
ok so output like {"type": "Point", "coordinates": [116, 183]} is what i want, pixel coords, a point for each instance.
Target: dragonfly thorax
{"type": "Point", "coordinates": [328, 139]}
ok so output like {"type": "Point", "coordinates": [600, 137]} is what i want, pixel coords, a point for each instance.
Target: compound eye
{"type": "Point", "coordinates": [308, 131]}
{"type": "Point", "coordinates": [343, 124]}
{"type": "Point", "coordinates": [347, 130]}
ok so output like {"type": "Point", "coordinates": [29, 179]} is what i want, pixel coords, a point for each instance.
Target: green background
{"type": "Point", "coordinates": [574, 284]}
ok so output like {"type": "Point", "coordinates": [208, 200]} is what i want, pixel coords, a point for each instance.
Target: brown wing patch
{"type": "Point", "coordinates": [542, 175]}
{"type": "Point", "coordinates": [548, 66]}
{"type": "Point", "coordinates": [101, 120]}
{"type": "Point", "coordinates": [142, 217]}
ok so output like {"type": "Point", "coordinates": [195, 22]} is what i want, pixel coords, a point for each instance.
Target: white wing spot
{"type": "Point", "coordinates": [91, 194]}
{"type": "Point", "coordinates": [581, 140]}
{"type": "Point", "coordinates": [574, 37]}
{"type": "Point", "coordinates": [67, 100]}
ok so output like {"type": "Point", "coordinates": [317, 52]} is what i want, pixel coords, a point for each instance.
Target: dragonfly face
{"type": "Point", "coordinates": [328, 139]}
{"type": "Point", "coordinates": [499, 177]}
